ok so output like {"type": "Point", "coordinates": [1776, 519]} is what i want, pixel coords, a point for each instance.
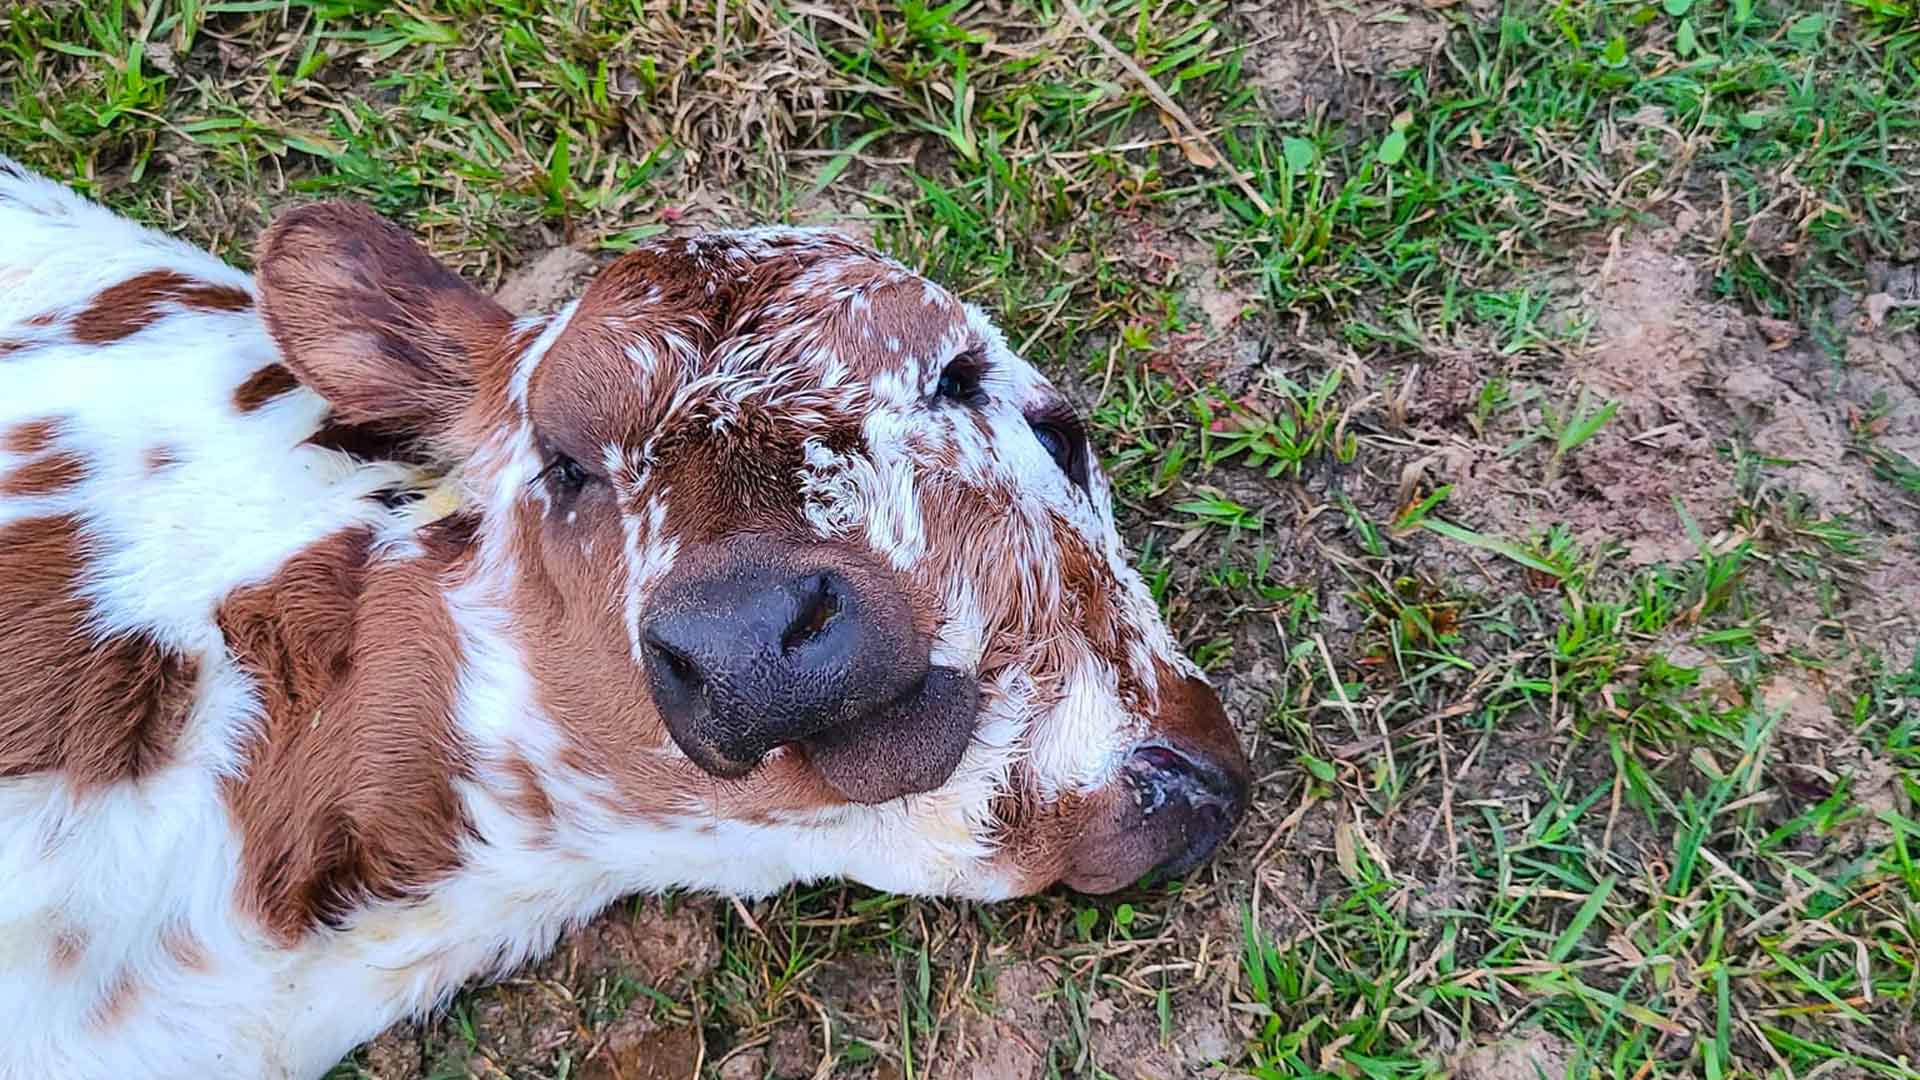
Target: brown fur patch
{"type": "Point", "coordinates": [369, 320]}
{"type": "Point", "coordinates": [161, 457]}
{"type": "Point", "coordinates": [47, 475]}
{"type": "Point", "coordinates": [529, 796]}
{"type": "Point", "coordinates": [116, 1001]}
{"type": "Point", "coordinates": [368, 442]}
{"type": "Point", "coordinates": [263, 386]}
{"type": "Point", "coordinates": [348, 795]}
{"type": "Point", "coordinates": [32, 437]}
{"type": "Point", "coordinates": [122, 310]}
{"type": "Point", "coordinates": [68, 947]}
{"type": "Point", "coordinates": [101, 711]}
{"type": "Point", "coordinates": [182, 945]}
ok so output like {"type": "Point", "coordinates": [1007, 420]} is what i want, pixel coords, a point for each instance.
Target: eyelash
{"type": "Point", "coordinates": [960, 379]}
{"type": "Point", "coordinates": [566, 471]}
{"type": "Point", "coordinates": [1059, 434]}
{"type": "Point", "coordinates": [1064, 441]}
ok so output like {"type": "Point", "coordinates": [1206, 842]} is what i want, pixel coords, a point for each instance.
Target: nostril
{"type": "Point", "coordinates": [682, 670]}
{"type": "Point", "coordinates": [819, 606]}
{"type": "Point", "coordinates": [1161, 772]}
{"type": "Point", "coordinates": [1160, 759]}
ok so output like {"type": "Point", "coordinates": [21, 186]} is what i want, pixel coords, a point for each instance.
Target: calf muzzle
{"type": "Point", "coordinates": [758, 645]}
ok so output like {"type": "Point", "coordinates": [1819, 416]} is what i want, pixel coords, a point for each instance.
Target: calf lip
{"type": "Point", "coordinates": [912, 745]}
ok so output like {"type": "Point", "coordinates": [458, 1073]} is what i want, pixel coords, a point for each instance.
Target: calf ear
{"type": "Point", "coordinates": [365, 317]}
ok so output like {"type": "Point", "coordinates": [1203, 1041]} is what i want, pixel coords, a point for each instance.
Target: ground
{"type": "Point", "coordinates": [1516, 405]}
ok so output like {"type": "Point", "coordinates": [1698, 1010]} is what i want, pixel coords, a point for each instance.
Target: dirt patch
{"type": "Point", "coordinates": [1821, 753]}
{"type": "Point", "coordinates": [582, 1001]}
{"type": "Point", "coordinates": [1307, 57]}
{"type": "Point", "coordinates": [1886, 613]}
{"type": "Point", "coordinates": [666, 950]}
{"type": "Point", "coordinates": [1537, 1055]}
{"type": "Point", "coordinates": [1010, 1042]}
{"type": "Point", "coordinates": [548, 281]}
{"type": "Point", "coordinates": [790, 1053]}
{"type": "Point", "coordinates": [1694, 381]}
{"type": "Point", "coordinates": [1226, 325]}
{"type": "Point", "coordinates": [396, 1055]}
{"type": "Point", "coordinates": [1652, 342]}
{"type": "Point", "coordinates": [1131, 1046]}
{"type": "Point", "coordinates": [635, 1047]}
{"type": "Point", "coordinates": [1652, 337]}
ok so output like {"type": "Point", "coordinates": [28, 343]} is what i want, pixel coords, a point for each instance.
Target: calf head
{"type": "Point", "coordinates": [787, 540]}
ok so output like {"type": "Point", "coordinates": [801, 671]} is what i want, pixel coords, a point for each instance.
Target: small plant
{"type": "Point", "coordinates": [1566, 432]}
{"type": "Point", "coordinates": [1213, 508]}
{"type": "Point", "coordinates": [1281, 440]}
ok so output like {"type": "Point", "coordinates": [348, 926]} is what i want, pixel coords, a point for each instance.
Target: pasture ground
{"type": "Point", "coordinates": [1516, 406]}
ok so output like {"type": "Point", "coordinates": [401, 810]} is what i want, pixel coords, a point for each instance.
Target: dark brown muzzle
{"type": "Point", "coordinates": [757, 645]}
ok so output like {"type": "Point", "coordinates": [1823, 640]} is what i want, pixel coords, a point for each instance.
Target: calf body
{"type": "Point", "coordinates": [357, 638]}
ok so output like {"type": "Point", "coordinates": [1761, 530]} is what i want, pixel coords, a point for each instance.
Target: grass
{"type": "Point", "coordinates": [1585, 735]}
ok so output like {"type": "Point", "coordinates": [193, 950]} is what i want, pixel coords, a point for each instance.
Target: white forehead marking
{"type": "Point", "coordinates": [530, 360]}
{"type": "Point", "coordinates": [894, 527]}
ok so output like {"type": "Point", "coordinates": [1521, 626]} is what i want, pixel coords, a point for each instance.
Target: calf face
{"type": "Point", "coordinates": [790, 539]}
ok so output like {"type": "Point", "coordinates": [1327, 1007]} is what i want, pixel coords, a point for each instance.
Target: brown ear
{"type": "Point", "coordinates": [365, 317]}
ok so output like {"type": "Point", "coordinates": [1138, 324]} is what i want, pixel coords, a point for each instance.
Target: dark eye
{"type": "Point", "coordinates": [1060, 434]}
{"type": "Point", "coordinates": [960, 379]}
{"type": "Point", "coordinates": [567, 474]}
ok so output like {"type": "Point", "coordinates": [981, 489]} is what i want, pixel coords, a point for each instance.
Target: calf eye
{"type": "Point", "coordinates": [1060, 434]}
{"type": "Point", "coordinates": [565, 473]}
{"type": "Point", "coordinates": [960, 379]}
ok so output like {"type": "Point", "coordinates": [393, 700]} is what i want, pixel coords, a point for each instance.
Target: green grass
{"type": "Point", "coordinates": [1652, 813]}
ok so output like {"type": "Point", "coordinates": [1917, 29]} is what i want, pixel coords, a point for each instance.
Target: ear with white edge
{"type": "Point", "coordinates": [366, 318]}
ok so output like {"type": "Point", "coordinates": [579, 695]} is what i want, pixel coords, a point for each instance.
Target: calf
{"type": "Point", "coordinates": [357, 638]}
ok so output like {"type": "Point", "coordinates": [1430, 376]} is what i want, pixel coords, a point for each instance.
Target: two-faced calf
{"type": "Point", "coordinates": [356, 637]}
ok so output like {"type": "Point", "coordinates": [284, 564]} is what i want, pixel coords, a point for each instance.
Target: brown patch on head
{"type": "Point", "coordinates": [1090, 592]}
{"type": "Point", "coordinates": [122, 310]}
{"type": "Point", "coordinates": [101, 711]}
{"type": "Point", "coordinates": [68, 946]}
{"type": "Point", "coordinates": [1189, 715]}
{"type": "Point", "coordinates": [263, 386]}
{"type": "Point", "coordinates": [161, 457]}
{"type": "Point", "coordinates": [348, 795]}
{"type": "Point", "coordinates": [182, 945]}
{"type": "Point", "coordinates": [987, 541]}
{"type": "Point", "coordinates": [48, 475]}
{"type": "Point", "coordinates": [32, 437]}
{"type": "Point", "coordinates": [116, 1002]}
